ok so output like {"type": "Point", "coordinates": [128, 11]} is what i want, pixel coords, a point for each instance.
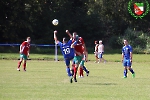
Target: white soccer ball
{"type": "Point", "coordinates": [55, 22]}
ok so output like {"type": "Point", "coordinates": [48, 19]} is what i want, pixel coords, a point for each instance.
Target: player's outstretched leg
{"type": "Point", "coordinates": [131, 70]}
{"type": "Point", "coordinates": [75, 73]}
{"type": "Point", "coordinates": [19, 63]}
{"type": "Point", "coordinates": [81, 72]}
{"type": "Point", "coordinates": [69, 74]}
{"type": "Point", "coordinates": [72, 70]}
{"type": "Point", "coordinates": [67, 61]}
{"type": "Point", "coordinates": [87, 71]}
{"type": "Point", "coordinates": [68, 71]}
{"type": "Point", "coordinates": [24, 65]}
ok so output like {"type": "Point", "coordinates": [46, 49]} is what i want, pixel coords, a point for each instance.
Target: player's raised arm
{"type": "Point", "coordinates": [73, 44]}
{"type": "Point", "coordinates": [69, 34]}
{"type": "Point", "coordinates": [55, 37]}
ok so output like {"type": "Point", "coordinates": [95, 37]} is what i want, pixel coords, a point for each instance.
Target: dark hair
{"type": "Point", "coordinates": [96, 42]}
{"type": "Point", "coordinates": [65, 39]}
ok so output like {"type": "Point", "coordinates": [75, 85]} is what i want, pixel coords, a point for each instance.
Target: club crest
{"type": "Point", "coordinates": [138, 9]}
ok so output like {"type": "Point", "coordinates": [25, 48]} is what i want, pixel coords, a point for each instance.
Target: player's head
{"type": "Point", "coordinates": [64, 40]}
{"type": "Point", "coordinates": [100, 41]}
{"type": "Point", "coordinates": [125, 42]}
{"type": "Point", "coordinates": [96, 42]}
{"type": "Point", "coordinates": [77, 38]}
{"type": "Point", "coordinates": [28, 39]}
{"type": "Point", "coordinates": [74, 35]}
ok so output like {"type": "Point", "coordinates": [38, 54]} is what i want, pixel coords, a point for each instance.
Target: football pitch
{"type": "Point", "coordinates": [48, 80]}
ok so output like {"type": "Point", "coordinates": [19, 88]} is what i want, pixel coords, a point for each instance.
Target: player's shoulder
{"type": "Point", "coordinates": [80, 38]}
{"type": "Point", "coordinates": [129, 45]}
{"type": "Point", "coordinates": [70, 40]}
{"type": "Point", "coordinates": [59, 43]}
{"type": "Point", "coordinates": [24, 42]}
{"type": "Point", "coordinates": [123, 47]}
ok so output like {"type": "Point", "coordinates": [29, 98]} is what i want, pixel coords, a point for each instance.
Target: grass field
{"type": "Point", "coordinates": [47, 80]}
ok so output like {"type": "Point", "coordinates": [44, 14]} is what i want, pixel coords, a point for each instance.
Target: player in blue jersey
{"type": "Point", "coordinates": [67, 49]}
{"type": "Point", "coordinates": [127, 59]}
{"type": "Point", "coordinates": [79, 52]}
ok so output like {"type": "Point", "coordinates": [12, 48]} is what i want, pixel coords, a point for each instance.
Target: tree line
{"type": "Point", "coordinates": [108, 20]}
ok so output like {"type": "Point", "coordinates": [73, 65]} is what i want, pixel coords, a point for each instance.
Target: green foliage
{"type": "Point", "coordinates": [138, 40]}
{"type": "Point", "coordinates": [115, 42]}
{"type": "Point", "coordinates": [92, 19]}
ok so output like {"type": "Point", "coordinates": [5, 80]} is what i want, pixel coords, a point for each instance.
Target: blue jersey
{"type": "Point", "coordinates": [66, 49]}
{"type": "Point", "coordinates": [126, 51]}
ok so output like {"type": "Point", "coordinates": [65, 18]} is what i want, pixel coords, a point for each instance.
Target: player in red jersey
{"type": "Point", "coordinates": [24, 53]}
{"type": "Point", "coordinates": [78, 53]}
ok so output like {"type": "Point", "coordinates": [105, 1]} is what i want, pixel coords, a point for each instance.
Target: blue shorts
{"type": "Point", "coordinates": [127, 63]}
{"type": "Point", "coordinates": [100, 55]}
{"type": "Point", "coordinates": [67, 60]}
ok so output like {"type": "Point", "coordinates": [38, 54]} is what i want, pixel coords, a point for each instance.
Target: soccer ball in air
{"type": "Point", "coordinates": [55, 22]}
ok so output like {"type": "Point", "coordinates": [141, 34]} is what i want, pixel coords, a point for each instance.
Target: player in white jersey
{"type": "Point", "coordinates": [101, 51]}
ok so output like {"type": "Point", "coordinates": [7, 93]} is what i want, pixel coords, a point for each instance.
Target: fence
{"type": "Point", "coordinates": [32, 45]}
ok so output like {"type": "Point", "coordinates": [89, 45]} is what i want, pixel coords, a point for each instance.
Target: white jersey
{"type": "Point", "coordinates": [100, 48]}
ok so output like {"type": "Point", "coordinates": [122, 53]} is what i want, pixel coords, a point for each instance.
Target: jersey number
{"type": "Point", "coordinates": [66, 50]}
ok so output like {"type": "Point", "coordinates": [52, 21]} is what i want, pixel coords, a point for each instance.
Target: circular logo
{"type": "Point", "coordinates": [138, 9]}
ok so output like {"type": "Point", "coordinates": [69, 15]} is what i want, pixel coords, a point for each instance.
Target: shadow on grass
{"type": "Point", "coordinates": [101, 83]}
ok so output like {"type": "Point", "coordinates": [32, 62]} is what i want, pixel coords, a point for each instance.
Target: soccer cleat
{"type": "Point", "coordinates": [87, 74]}
{"type": "Point", "coordinates": [24, 70]}
{"type": "Point", "coordinates": [125, 77]}
{"type": "Point", "coordinates": [81, 76]}
{"type": "Point", "coordinates": [133, 75]}
{"type": "Point", "coordinates": [75, 80]}
{"type": "Point", "coordinates": [96, 62]}
{"type": "Point", "coordinates": [71, 79]}
{"type": "Point", "coordinates": [18, 69]}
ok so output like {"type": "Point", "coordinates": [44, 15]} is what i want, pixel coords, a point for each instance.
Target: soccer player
{"type": "Point", "coordinates": [67, 49]}
{"type": "Point", "coordinates": [127, 59]}
{"type": "Point", "coordinates": [96, 51]}
{"type": "Point", "coordinates": [101, 51]}
{"type": "Point", "coordinates": [24, 53]}
{"type": "Point", "coordinates": [78, 53]}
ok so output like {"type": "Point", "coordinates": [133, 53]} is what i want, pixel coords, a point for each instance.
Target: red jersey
{"type": "Point", "coordinates": [78, 46]}
{"type": "Point", "coordinates": [25, 46]}
{"type": "Point", "coordinates": [84, 49]}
